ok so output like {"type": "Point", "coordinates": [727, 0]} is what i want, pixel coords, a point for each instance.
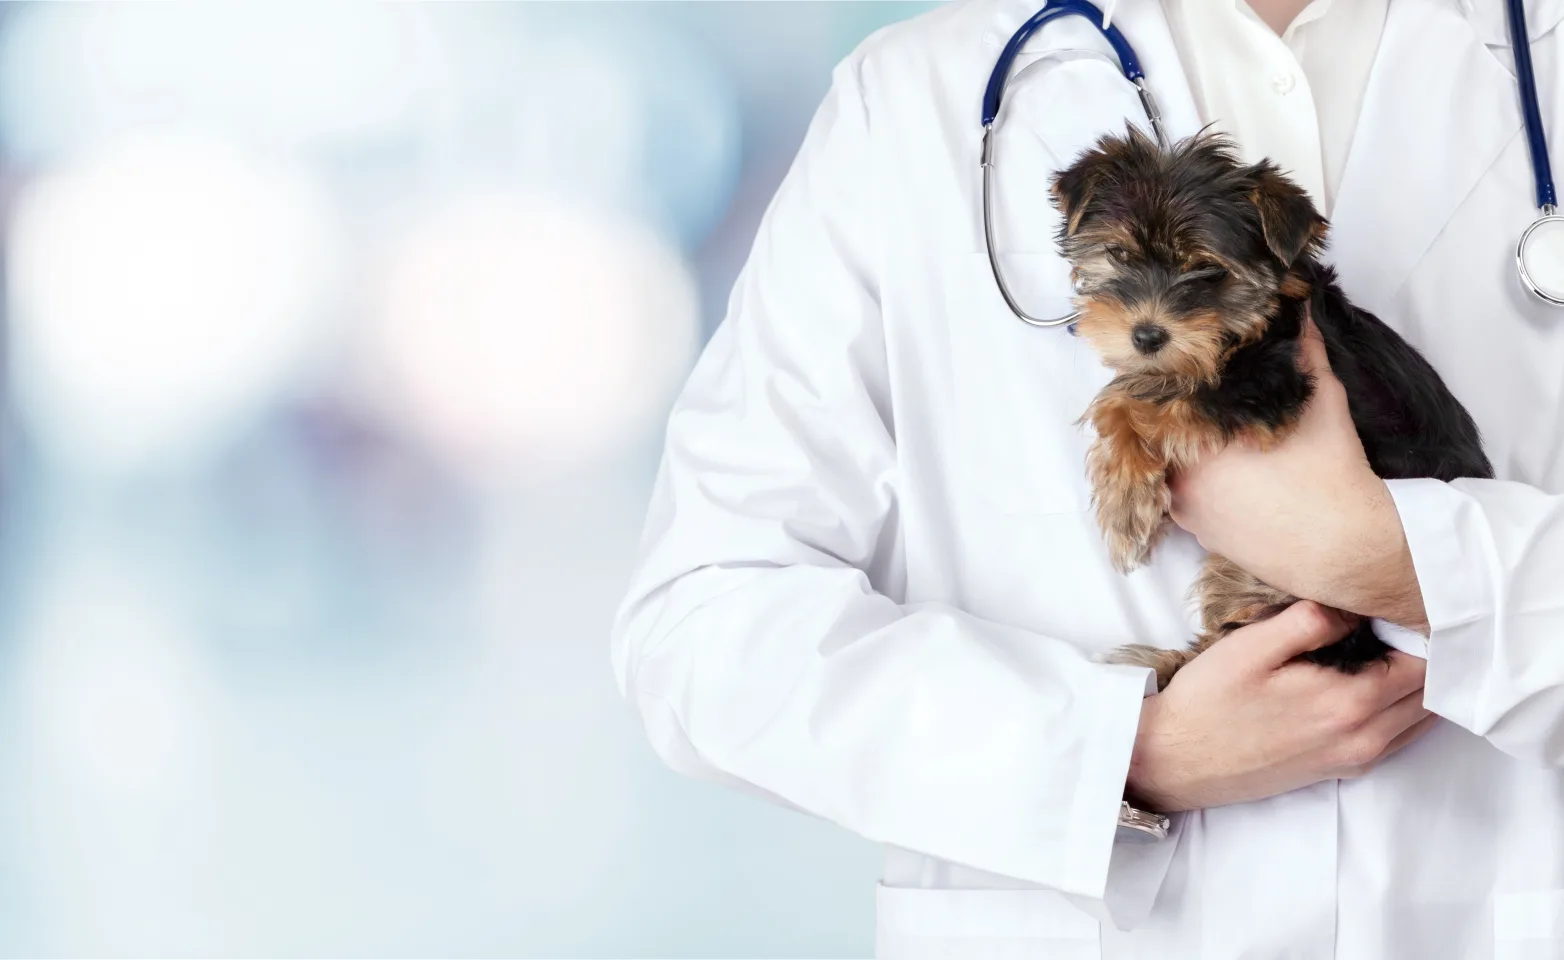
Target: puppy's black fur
{"type": "Point", "coordinates": [1409, 422]}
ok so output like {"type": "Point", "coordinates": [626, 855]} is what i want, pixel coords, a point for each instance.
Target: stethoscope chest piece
{"type": "Point", "coordinates": [1539, 256]}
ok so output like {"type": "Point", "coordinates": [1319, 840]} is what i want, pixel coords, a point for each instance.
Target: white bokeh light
{"type": "Point", "coordinates": [160, 292]}
{"type": "Point", "coordinates": [514, 330]}
{"type": "Point", "coordinates": [75, 76]}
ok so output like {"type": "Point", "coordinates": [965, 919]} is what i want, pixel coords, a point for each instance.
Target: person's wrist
{"type": "Point", "coordinates": [1375, 576]}
{"type": "Point", "coordinates": [1149, 782]}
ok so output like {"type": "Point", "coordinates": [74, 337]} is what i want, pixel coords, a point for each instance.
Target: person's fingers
{"type": "Point", "coordinates": [1372, 749]}
{"type": "Point", "coordinates": [1183, 488]}
{"type": "Point", "coordinates": [1402, 677]}
{"type": "Point", "coordinates": [1393, 721]}
{"type": "Point", "coordinates": [1314, 360]}
{"type": "Point", "coordinates": [1359, 750]}
{"type": "Point", "coordinates": [1302, 627]}
{"type": "Point", "coordinates": [1311, 355]}
{"type": "Point", "coordinates": [1410, 733]}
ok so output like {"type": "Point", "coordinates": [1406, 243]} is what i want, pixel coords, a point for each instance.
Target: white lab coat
{"type": "Point", "coordinates": [872, 590]}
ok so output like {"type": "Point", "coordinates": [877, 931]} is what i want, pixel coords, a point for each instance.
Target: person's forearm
{"type": "Point", "coordinates": [1367, 566]}
{"type": "Point", "coordinates": [1346, 549]}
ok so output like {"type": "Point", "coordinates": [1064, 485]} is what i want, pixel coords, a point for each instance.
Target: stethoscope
{"type": "Point", "coordinates": [1539, 255]}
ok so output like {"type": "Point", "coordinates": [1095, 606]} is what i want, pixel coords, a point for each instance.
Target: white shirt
{"type": "Point", "coordinates": [1294, 98]}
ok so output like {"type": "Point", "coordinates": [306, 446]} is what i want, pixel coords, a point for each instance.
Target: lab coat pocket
{"type": "Point", "coordinates": [1529, 925]}
{"type": "Point", "coordinates": [946, 924]}
{"type": "Point", "coordinates": [1019, 391]}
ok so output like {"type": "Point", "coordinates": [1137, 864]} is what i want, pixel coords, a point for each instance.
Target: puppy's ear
{"type": "Point", "coordinates": [1291, 225]}
{"type": "Point", "coordinates": [1072, 191]}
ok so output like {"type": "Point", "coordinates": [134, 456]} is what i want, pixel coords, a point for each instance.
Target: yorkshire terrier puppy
{"type": "Point", "coordinates": [1194, 273]}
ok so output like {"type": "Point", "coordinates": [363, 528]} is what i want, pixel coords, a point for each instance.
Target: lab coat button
{"type": "Point", "coordinates": [1282, 83]}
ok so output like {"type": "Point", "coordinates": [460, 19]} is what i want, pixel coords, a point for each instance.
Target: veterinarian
{"type": "Point", "coordinates": [872, 588]}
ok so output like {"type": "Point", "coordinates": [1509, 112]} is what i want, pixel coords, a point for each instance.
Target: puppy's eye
{"type": "Point", "coordinates": [1118, 254]}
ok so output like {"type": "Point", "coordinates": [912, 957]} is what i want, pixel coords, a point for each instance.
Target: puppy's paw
{"type": "Point", "coordinates": [1133, 517]}
{"type": "Point", "coordinates": [1129, 490]}
{"type": "Point", "coordinates": [1231, 597]}
{"type": "Point", "coordinates": [1131, 537]}
{"type": "Point", "coordinates": [1164, 662]}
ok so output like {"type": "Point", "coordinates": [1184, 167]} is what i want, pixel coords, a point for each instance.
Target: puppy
{"type": "Point", "coordinates": [1194, 273]}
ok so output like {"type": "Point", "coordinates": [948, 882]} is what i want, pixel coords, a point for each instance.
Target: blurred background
{"type": "Point", "coordinates": [336, 344]}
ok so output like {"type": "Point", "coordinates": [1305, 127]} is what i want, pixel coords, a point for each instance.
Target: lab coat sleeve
{"type": "Point", "coordinates": [762, 642]}
{"type": "Point", "coordinates": [1489, 556]}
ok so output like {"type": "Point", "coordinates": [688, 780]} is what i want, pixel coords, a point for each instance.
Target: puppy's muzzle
{"type": "Point", "coordinates": [1148, 338]}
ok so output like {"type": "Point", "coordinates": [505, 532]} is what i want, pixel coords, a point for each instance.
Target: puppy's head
{"type": "Point", "coordinates": [1179, 255]}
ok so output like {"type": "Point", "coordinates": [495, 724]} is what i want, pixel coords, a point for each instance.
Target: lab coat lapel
{"type": "Point", "coordinates": [1439, 110]}
{"type": "Point", "coordinates": [1489, 22]}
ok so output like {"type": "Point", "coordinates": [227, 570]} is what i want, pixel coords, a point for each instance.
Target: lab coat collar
{"type": "Point", "coordinates": [1489, 22]}
{"type": "Point", "coordinates": [1013, 13]}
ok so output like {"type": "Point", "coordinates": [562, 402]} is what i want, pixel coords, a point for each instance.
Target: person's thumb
{"type": "Point", "coordinates": [1312, 355]}
{"type": "Point", "coordinates": [1300, 628]}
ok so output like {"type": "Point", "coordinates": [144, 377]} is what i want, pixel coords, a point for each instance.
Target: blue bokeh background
{"type": "Point", "coordinates": [336, 343]}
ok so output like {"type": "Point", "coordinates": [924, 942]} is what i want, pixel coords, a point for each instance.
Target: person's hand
{"type": "Point", "coordinates": [1308, 516]}
{"type": "Point", "coordinates": [1244, 720]}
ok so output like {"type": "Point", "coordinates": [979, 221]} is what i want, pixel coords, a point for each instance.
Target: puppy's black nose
{"type": "Point", "coordinates": [1148, 338]}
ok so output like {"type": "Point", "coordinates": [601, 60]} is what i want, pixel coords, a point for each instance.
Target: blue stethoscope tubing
{"type": "Point", "coordinates": [993, 95]}
{"type": "Point", "coordinates": [1531, 111]}
{"type": "Point", "coordinates": [1129, 63]}
{"type": "Point", "coordinates": [1053, 11]}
